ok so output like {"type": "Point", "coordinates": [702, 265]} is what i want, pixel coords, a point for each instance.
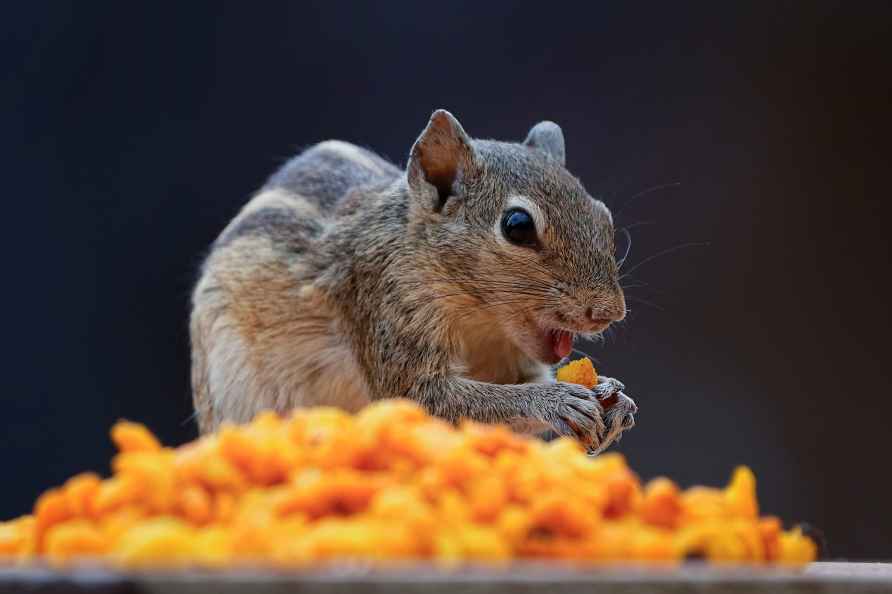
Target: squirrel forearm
{"type": "Point", "coordinates": [454, 398]}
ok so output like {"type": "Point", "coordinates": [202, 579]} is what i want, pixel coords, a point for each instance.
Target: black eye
{"type": "Point", "coordinates": [518, 227]}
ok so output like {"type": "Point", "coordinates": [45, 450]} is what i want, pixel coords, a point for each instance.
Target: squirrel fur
{"type": "Point", "coordinates": [346, 280]}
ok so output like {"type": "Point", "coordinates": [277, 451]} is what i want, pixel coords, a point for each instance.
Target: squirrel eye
{"type": "Point", "coordinates": [518, 227]}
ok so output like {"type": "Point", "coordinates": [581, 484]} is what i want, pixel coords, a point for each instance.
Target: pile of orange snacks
{"type": "Point", "coordinates": [389, 484]}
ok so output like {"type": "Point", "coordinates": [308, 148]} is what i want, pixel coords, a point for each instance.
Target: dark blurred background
{"type": "Point", "coordinates": [132, 132]}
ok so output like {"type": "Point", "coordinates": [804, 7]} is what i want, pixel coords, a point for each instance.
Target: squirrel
{"type": "Point", "coordinates": [458, 283]}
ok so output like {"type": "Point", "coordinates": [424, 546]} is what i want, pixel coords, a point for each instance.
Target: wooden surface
{"type": "Point", "coordinates": [836, 577]}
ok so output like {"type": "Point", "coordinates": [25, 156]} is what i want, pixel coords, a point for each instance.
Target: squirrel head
{"type": "Point", "coordinates": [510, 228]}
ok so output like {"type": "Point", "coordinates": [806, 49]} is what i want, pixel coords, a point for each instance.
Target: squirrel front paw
{"type": "Point", "coordinates": [574, 411]}
{"type": "Point", "coordinates": [619, 409]}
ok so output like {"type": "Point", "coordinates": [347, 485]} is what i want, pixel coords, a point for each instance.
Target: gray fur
{"type": "Point", "coordinates": [324, 176]}
{"type": "Point", "coordinates": [549, 138]}
{"type": "Point", "coordinates": [281, 225]}
{"type": "Point", "coordinates": [430, 301]}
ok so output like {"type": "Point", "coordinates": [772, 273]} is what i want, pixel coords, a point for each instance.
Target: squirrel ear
{"type": "Point", "coordinates": [548, 138]}
{"type": "Point", "coordinates": [440, 156]}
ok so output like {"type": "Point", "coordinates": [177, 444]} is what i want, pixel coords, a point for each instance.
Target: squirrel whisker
{"type": "Point", "coordinates": [645, 302]}
{"type": "Point", "coordinates": [621, 261]}
{"type": "Point", "coordinates": [651, 190]}
{"type": "Point", "coordinates": [663, 253]}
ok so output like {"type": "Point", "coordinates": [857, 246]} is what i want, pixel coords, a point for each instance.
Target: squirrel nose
{"type": "Point", "coordinates": [605, 316]}
{"type": "Point", "coordinates": [596, 317]}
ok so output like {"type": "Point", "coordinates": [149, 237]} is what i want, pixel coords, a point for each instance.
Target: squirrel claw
{"type": "Point", "coordinates": [619, 412]}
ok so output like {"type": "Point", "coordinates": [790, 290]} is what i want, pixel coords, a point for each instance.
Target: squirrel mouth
{"type": "Point", "coordinates": [561, 343]}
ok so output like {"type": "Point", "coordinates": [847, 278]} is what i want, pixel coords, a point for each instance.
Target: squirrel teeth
{"type": "Point", "coordinates": [561, 343]}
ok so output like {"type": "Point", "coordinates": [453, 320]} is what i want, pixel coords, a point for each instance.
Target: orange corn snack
{"type": "Point", "coordinates": [580, 372]}
{"type": "Point", "coordinates": [389, 484]}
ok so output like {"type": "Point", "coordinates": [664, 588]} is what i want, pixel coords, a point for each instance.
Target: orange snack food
{"type": "Point", "coordinates": [580, 372]}
{"type": "Point", "coordinates": [389, 484]}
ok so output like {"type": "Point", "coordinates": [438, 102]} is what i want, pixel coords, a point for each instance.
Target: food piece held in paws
{"type": "Point", "coordinates": [619, 409]}
{"type": "Point", "coordinates": [580, 372]}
